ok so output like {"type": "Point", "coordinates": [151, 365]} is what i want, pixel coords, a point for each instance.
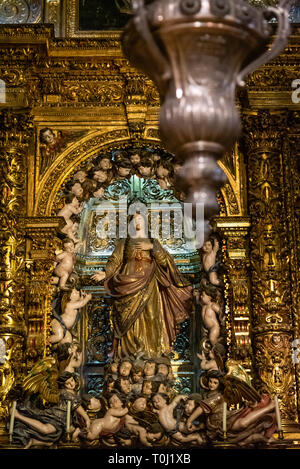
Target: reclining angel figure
{"type": "Point", "coordinates": [254, 422]}
{"type": "Point", "coordinates": [45, 427]}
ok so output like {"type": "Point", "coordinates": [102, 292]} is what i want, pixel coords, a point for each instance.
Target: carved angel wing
{"type": "Point", "coordinates": [42, 379]}
{"type": "Point", "coordinates": [219, 358]}
{"type": "Point", "coordinates": [236, 391]}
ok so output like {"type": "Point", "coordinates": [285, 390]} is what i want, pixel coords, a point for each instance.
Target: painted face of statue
{"type": "Point", "coordinates": [135, 159]}
{"type": "Point", "coordinates": [99, 193]}
{"type": "Point", "coordinates": [163, 369]}
{"type": "Point", "coordinates": [115, 402]}
{"type": "Point", "coordinates": [80, 176]}
{"type": "Point", "coordinates": [276, 339]}
{"type": "Point", "coordinates": [105, 164]}
{"type": "Point", "coordinates": [125, 386]}
{"type": "Point", "coordinates": [213, 384]}
{"type": "Point", "coordinates": [48, 137]}
{"type": "Point", "coordinates": [136, 377]}
{"type": "Point", "coordinates": [205, 299]}
{"type": "Point", "coordinates": [162, 172]}
{"type": "Point", "coordinates": [123, 172]}
{"type": "Point", "coordinates": [147, 388]}
{"type": "Point", "coordinates": [94, 404]}
{"type": "Point", "coordinates": [69, 247]}
{"type": "Point", "coordinates": [154, 436]}
{"type": "Point", "coordinates": [138, 222]}
{"type": "Point", "coordinates": [145, 171]}
{"type": "Point", "coordinates": [100, 176]}
{"type": "Point", "coordinates": [155, 157]}
{"type": "Point", "coordinates": [77, 189]}
{"type": "Point", "coordinates": [149, 369]}
{"type": "Point", "coordinates": [75, 295]}
{"type": "Point", "coordinates": [207, 246]}
{"type": "Point", "coordinates": [140, 404]}
{"type": "Point", "coordinates": [158, 401]}
{"type": "Point", "coordinates": [162, 388]}
{"type": "Point", "coordinates": [70, 384]}
{"type": "Point", "coordinates": [125, 368]}
{"type": "Point", "coordinates": [189, 407]}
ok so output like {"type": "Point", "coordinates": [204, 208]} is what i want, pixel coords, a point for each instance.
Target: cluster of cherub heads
{"type": "Point", "coordinates": [107, 168]}
{"type": "Point", "coordinates": [133, 378]}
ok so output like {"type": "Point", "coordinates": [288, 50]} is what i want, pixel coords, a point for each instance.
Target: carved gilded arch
{"type": "Point", "coordinates": [68, 160]}
{"type": "Point", "coordinates": [72, 157]}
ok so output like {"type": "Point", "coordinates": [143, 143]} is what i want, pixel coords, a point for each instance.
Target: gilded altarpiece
{"type": "Point", "coordinates": [85, 92]}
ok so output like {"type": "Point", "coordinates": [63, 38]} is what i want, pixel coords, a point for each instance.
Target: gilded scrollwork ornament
{"type": "Point", "coordinates": [14, 142]}
{"type": "Point", "coordinates": [84, 97]}
{"type": "Point", "coordinates": [270, 264]}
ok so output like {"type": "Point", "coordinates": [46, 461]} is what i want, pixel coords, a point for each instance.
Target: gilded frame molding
{"type": "Point", "coordinates": [72, 25]}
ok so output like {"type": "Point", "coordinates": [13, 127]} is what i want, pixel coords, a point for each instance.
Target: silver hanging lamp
{"type": "Point", "coordinates": [197, 52]}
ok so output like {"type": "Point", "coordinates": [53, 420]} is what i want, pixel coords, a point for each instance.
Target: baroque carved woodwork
{"type": "Point", "coordinates": [14, 144]}
{"type": "Point", "coordinates": [86, 93]}
{"type": "Point", "coordinates": [273, 315]}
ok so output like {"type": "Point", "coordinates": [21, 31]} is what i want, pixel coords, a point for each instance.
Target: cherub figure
{"type": "Point", "coordinates": [209, 260]}
{"type": "Point", "coordinates": [147, 388]}
{"type": "Point", "coordinates": [111, 423]}
{"type": "Point", "coordinates": [150, 370]}
{"type": "Point", "coordinates": [89, 187]}
{"type": "Point", "coordinates": [138, 406]}
{"type": "Point", "coordinates": [52, 143]}
{"type": "Point", "coordinates": [61, 325]}
{"type": "Point", "coordinates": [94, 406]}
{"type": "Point", "coordinates": [72, 207]}
{"type": "Point", "coordinates": [208, 362]}
{"type": "Point", "coordinates": [211, 314]}
{"type": "Point", "coordinates": [65, 263]}
{"type": "Point", "coordinates": [100, 175]}
{"type": "Point", "coordinates": [122, 169]}
{"type": "Point", "coordinates": [105, 163]}
{"type": "Point", "coordinates": [76, 189]}
{"type": "Point", "coordinates": [124, 386]}
{"type": "Point", "coordinates": [135, 158]}
{"type": "Point", "coordinates": [99, 192]}
{"type": "Point", "coordinates": [164, 173]}
{"type": "Point", "coordinates": [167, 420]}
{"type": "Point", "coordinates": [162, 371]}
{"type": "Point", "coordinates": [156, 435]}
{"type": "Point", "coordinates": [70, 230]}
{"type": "Point", "coordinates": [125, 367]}
{"type": "Point", "coordinates": [109, 386]}
{"type": "Point", "coordinates": [137, 379]}
{"type": "Point", "coordinates": [145, 168]}
{"type": "Point", "coordinates": [112, 369]}
{"type": "Point", "coordinates": [80, 176]}
{"type": "Point", "coordinates": [69, 356]}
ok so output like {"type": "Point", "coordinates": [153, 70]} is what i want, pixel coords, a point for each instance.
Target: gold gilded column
{"type": "Point", "coordinates": [271, 302]}
{"type": "Point", "coordinates": [14, 141]}
{"type": "Point", "coordinates": [235, 231]}
{"type": "Point", "coordinates": [40, 246]}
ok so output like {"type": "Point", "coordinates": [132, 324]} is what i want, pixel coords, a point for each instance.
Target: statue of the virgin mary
{"type": "Point", "coordinates": [151, 296]}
